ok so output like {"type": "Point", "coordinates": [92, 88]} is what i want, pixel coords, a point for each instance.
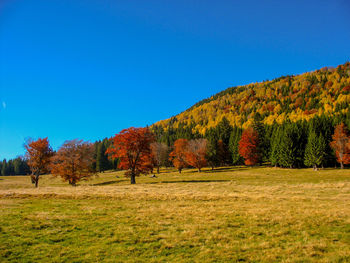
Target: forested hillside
{"type": "Point", "coordinates": [288, 122]}
{"type": "Point", "coordinates": [290, 98]}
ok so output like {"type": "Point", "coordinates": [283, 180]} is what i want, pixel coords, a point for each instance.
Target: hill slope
{"type": "Point", "coordinates": [302, 97]}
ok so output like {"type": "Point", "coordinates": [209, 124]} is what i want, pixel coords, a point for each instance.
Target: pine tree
{"type": "Point", "coordinates": [275, 146]}
{"type": "Point", "coordinates": [287, 149]}
{"type": "Point", "coordinates": [223, 131]}
{"type": "Point", "coordinates": [263, 146]}
{"type": "Point", "coordinates": [102, 163]}
{"type": "Point", "coordinates": [233, 146]}
{"type": "Point", "coordinates": [17, 166]}
{"type": "Point", "coordinates": [4, 168]}
{"type": "Point", "coordinates": [315, 150]}
{"type": "Point", "coordinates": [212, 155]}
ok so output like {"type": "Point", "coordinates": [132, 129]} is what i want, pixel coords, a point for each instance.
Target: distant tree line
{"type": "Point", "coordinates": [291, 144]}
{"type": "Point", "coordinates": [17, 166]}
{"type": "Point", "coordinates": [320, 142]}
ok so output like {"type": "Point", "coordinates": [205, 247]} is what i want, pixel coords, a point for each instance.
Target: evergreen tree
{"type": "Point", "coordinates": [212, 154]}
{"type": "Point", "coordinates": [287, 149]}
{"type": "Point", "coordinates": [275, 143]}
{"type": "Point", "coordinates": [264, 144]}
{"type": "Point", "coordinates": [233, 146]}
{"type": "Point", "coordinates": [17, 164]}
{"type": "Point", "coordinates": [102, 163]}
{"type": "Point", "coordinates": [10, 168]}
{"type": "Point", "coordinates": [223, 131]}
{"type": "Point", "coordinates": [4, 168]}
{"type": "Point", "coordinates": [315, 150]}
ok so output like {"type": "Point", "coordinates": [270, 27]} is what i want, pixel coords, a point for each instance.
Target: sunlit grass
{"type": "Point", "coordinates": [231, 214]}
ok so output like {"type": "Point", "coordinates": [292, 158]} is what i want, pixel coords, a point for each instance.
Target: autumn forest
{"type": "Point", "coordinates": [290, 122]}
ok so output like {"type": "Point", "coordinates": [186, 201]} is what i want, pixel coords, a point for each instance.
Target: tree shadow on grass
{"type": "Point", "coordinates": [109, 182]}
{"type": "Point", "coordinates": [224, 169]}
{"type": "Point", "coordinates": [189, 181]}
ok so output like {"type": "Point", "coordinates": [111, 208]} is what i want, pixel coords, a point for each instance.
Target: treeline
{"type": "Point", "coordinates": [17, 166]}
{"type": "Point", "coordinates": [102, 162]}
{"type": "Point", "coordinates": [290, 144]}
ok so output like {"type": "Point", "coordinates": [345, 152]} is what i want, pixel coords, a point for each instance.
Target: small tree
{"type": "Point", "coordinates": [73, 161]}
{"type": "Point", "coordinates": [248, 146]}
{"type": "Point", "coordinates": [341, 144]}
{"type": "Point", "coordinates": [196, 153]}
{"type": "Point", "coordinates": [38, 154]}
{"type": "Point", "coordinates": [315, 150]}
{"type": "Point", "coordinates": [178, 155]}
{"type": "Point", "coordinates": [133, 148]}
{"type": "Point", "coordinates": [159, 154]}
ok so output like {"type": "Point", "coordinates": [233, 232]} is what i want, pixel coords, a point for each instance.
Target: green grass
{"type": "Point", "coordinates": [231, 214]}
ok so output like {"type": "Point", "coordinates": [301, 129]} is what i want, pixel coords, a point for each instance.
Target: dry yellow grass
{"type": "Point", "coordinates": [232, 214]}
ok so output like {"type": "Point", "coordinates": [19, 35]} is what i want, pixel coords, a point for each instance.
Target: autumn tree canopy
{"type": "Point", "coordinates": [73, 162]}
{"type": "Point", "coordinates": [248, 146]}
{"type": "Point", "coordinates": [38, 154]}
{"type": "Point", "coordinates": [196, 153]}
{"type": "Point", "coordinates": [133, 148]}
{"type": "Point", "coordinates": [341, 144]}
{"type": "Point", "coordinates": [178, 155]}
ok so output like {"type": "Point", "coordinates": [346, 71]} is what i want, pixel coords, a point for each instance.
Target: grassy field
{"type": "Point", "coordinates": [231, 214]}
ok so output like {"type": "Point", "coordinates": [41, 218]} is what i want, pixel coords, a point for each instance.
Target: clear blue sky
{"type": "Point", "coordinates": [87, 69]}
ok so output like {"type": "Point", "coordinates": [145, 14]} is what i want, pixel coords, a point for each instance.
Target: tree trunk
{"type": "Point", "coordinates": [36, 180]}
{"type": "Point", "coordinates": [180, 170]}
{"type": "Point", "coordinates": [199, 170]}
{"type": "Point", "coordinates": [132, 179]}
{"type": "Point", "coordinates": [72, 183]}
{"type": "Point", "coordinates": [32, 178]}
{"type": "Point", "coordinates": [315, 167]}
{"type": "Point", "coordinates": [158, 170]}
{"type": "Point", "coordinates": [341, 165]}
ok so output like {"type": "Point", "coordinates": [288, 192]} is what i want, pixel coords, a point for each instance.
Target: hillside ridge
{"type": "Point", "coordinates": [325, 91]}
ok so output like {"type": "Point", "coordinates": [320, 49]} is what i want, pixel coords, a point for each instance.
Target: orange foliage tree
{"type": "Point", "coordinates": [341, 144]}
{"type": "Point", "coordinates": [73, 161]}
{"type": "Point", "coordinates": [133, 148]}
{"type": "Point", "coordinates": [38, 154]}
{"type": "Point", "coordinates": [178, 155]}
{"type": "Point", "coordinates": [248, 146]}
{"type": "Point", "coordinates": [196, 153]}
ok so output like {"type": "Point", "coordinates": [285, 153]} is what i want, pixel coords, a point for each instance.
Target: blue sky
{"type": "Point", "coordinates": [87, 69]}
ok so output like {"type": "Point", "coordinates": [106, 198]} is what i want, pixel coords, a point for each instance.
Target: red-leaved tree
{"type": "Point", "coordinates": [38, 154]}
{"type": "Point", "coordinates": [248, 146]}
{"type": "Point", "coordinates": [196, 153]}
{"type": "Point", "coordinates": [341, 144]}
{"type": "Point", "coordinates": [73, 161]}
{"type": "Point", "coordinates": [178, 155]}
{"type": "Point", "coordinates": [133, 148]}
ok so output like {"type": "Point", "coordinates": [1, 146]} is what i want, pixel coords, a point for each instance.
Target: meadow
{"type": "Point", "coordinates": [230, 214]}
